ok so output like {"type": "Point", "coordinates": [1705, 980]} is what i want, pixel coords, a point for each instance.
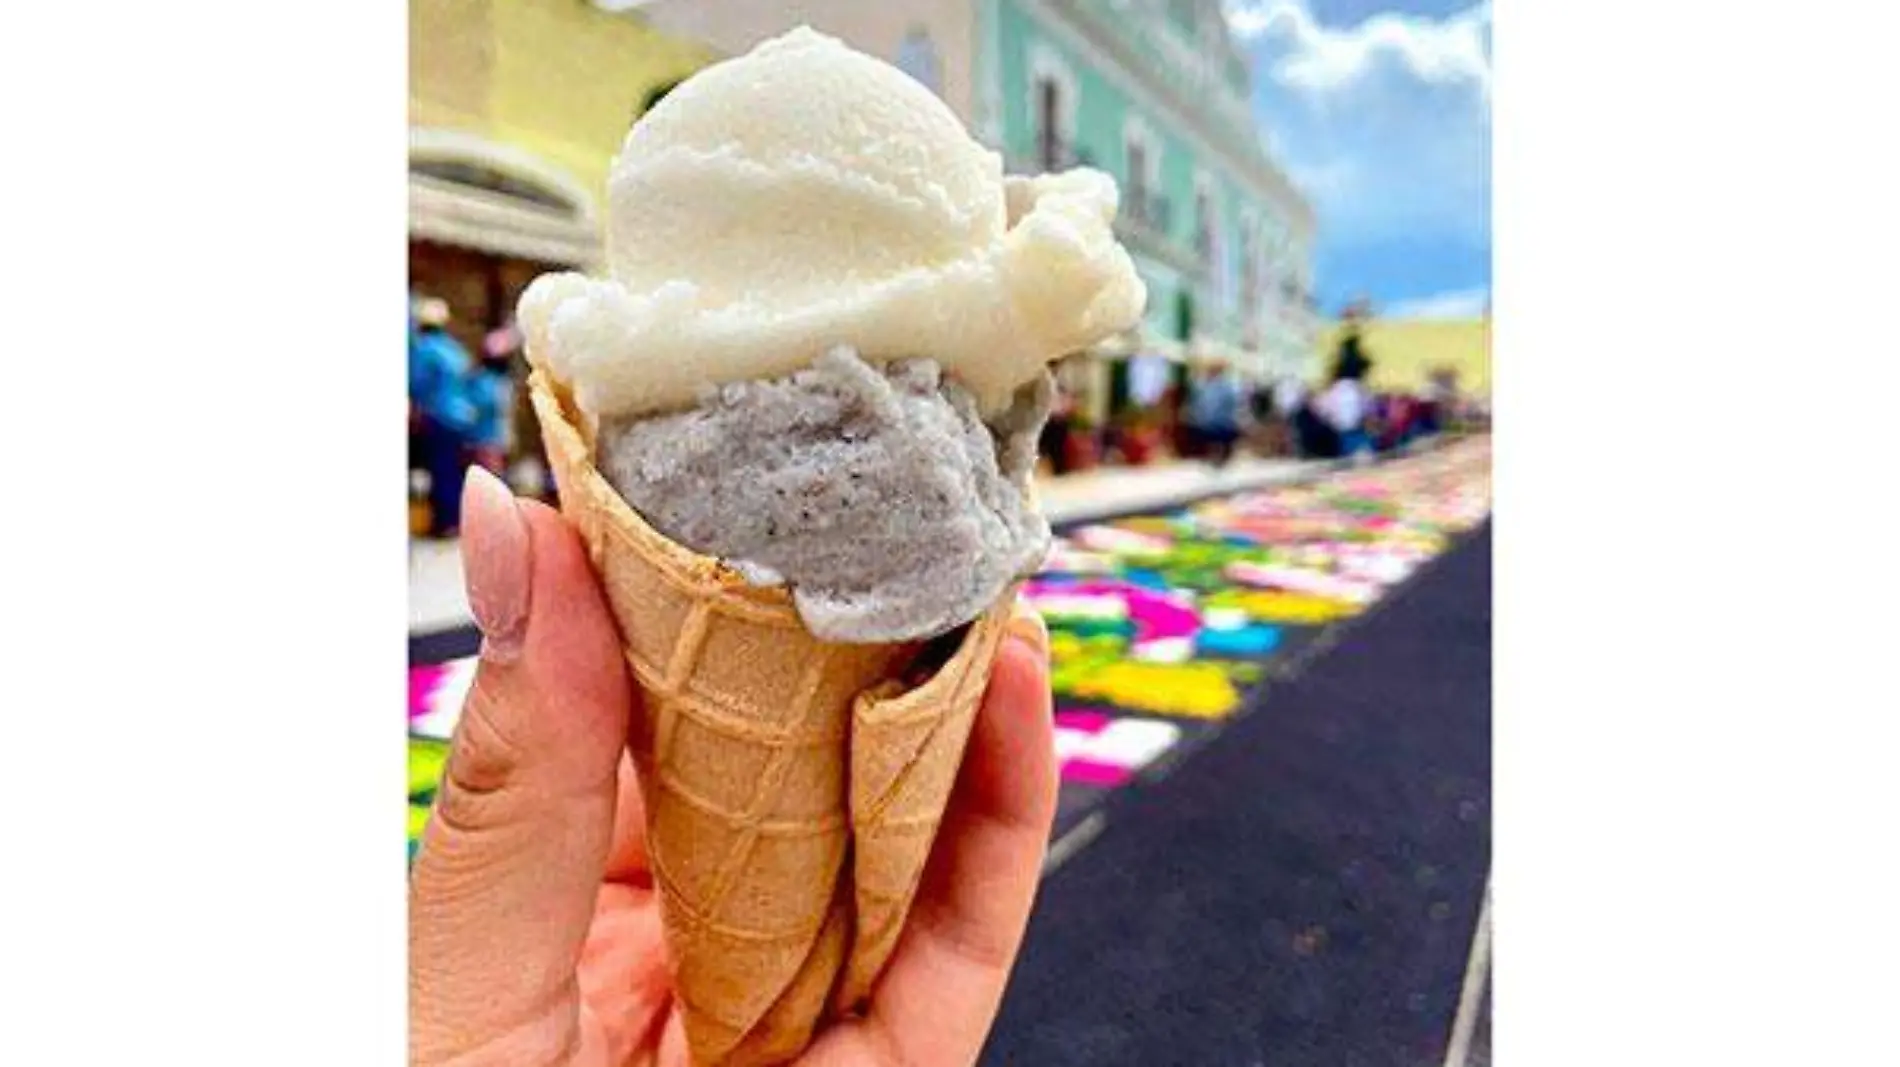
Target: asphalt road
{"type": "Point", "coordinates": [1303, 890]}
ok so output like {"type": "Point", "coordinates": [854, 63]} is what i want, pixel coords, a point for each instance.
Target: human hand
{"type": "Point", "coordinates": [534, 928]}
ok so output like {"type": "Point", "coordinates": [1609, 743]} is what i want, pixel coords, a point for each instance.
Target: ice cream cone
{"type": "Point", "coordinates": [793, 787]}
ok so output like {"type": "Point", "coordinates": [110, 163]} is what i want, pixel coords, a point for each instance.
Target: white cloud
{"type": "Point", "coordinates": [1329, 180]}
{"type": "Point", "coordinates": [1384, 124]}
{"type": "Point", "coordinates": [1318, 58]}
{"type": "Point", "coordinates": [1461, 304]}
{"type": "Point", "coordinates": [1249, 20]}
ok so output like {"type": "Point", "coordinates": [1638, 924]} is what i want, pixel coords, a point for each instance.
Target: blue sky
{"type": "Point", "coordinates": [1381, 113]}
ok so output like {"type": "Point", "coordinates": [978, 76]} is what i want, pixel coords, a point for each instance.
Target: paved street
{"type": "Point", "coordinates": [1305, 890]}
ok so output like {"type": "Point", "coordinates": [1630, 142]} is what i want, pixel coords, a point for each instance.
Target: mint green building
{"type": "Point", "coordinates": [1157, 94]}
{"type": "Point", "coordinates": [1154, 92]}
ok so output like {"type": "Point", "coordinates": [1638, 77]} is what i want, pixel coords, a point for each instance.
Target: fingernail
{"type": "Point", "coordinates": [1026, 625]}
{"type": "Point", "coordinates": [497, 563]}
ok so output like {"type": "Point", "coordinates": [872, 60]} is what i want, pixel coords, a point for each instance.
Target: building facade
{"type": "Point", "coordinates": [1159, 95]}
{"type": "Point", "coordinates": [1155, 93]}
{"type": "Point", "coordinates": [516, 108]}
{"type": "Point", "coordinates": [1405, 353]}
{"type": "Point", "coordinates": [934, 40]}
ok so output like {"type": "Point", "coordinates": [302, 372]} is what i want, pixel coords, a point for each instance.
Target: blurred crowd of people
{"type": "Point", "coordinates": [1346, 418]}
{"type": "Point", "coordinates": [1217, 414]}
{"type": "Point", "coordinates": [471, 408]}
{"type": "Point", "coordinates": [1343, 419]}
{"type": "Point", "coordinates": [461, 408]}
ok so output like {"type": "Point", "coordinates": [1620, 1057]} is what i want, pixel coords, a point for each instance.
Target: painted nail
{"type": "Point", "coordinates": [1026, 625]}
{"type": "Point", "coordinates": [497, 563]}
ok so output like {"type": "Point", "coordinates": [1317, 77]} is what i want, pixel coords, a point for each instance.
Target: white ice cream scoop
{"type": "Point", "coordinates": [804, 196]}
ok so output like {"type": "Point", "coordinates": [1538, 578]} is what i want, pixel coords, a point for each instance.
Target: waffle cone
{"type": "Point", "coordinates": [793, 787]}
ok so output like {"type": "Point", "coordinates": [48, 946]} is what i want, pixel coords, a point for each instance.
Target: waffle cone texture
{"type": "Point", "coordinates": [793, 787]}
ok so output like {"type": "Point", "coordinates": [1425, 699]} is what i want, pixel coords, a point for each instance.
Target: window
{"type": "Point", "coordinates": [1249, 270]}
{"type": "Point", "coordinates": [1211, 240]}
{"type": "Point", "coordinates": [1053, 96]}
{"type": "Point", "coordinates": [1048, 124]}
{"type": "Point", "coordinates": [1141, 175]}
{"type": "Point", "coordinates": [1203, 224]}
{"type": "Point", "coordinates": [1138, 191]}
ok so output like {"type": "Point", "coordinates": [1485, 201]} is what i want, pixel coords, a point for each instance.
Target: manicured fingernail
{"type": "Point", "coordinates": [497, 564]}
{"type": "Point", "coordinates": [1026, 625]}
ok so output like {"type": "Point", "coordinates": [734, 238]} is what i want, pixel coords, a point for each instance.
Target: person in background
{"type": "Point", "coordinates": [1263, 423]}
{"type": "Point", "coordinates": [1214, 412]}
{"type": "Point", "coordinates": [1405, 419]}
{"type": "Point", "coordinates": [1435, 400]}
{"type": "Point", "coordinates": [1346, 406]}
{"type": "Point", "coordinates": [1343, 411]}
{"type": "Point", "coordinates": [491, 391]}
{"type": "Point", "coordinates": [528, 471]}
{"type": "Point", "coordinates": [1171, 426]}
{"type": "Point", "coordinates": [438, 371]}
{"type": "Point", "coordinates": [1289, 398]}
{"type": "Point", "coordinates": [1054, 442]}
{"type": "Point", "coordinates": [1351, 360]}
{"type": "Point", "coordinates": [417, 453]}
{"type": "Point", "coordinates": [1382, 421]}
{"type": "Point", "coordinates": [1370, 424]}
{"type": "Point", "coordinates": [1317, 439]}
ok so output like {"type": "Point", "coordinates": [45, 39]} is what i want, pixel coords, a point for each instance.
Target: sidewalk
{"type": "Point", "coordinates": [437, 601]}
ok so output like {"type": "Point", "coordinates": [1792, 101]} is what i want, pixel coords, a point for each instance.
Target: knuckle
{"type": "Point", "coordinates": [484, 767]}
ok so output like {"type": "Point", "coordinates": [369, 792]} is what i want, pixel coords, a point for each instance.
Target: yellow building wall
{"type": "Point", "coordinates": [451, 62]}
{"type": "Point", "coordinates": [560, 79]}
{"type": "Point", "coordinates": [1405, 352]}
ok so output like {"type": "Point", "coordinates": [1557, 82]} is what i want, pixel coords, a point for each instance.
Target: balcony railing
{"type": "Point", "coordinates": [1139, 205]}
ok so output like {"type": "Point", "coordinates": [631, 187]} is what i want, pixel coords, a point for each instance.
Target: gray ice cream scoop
{"type": "Point", "coordinates": [879, 495]}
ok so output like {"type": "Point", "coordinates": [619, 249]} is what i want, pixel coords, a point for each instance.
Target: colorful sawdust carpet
{"type": "Point", "coordinates": [1159, 623]}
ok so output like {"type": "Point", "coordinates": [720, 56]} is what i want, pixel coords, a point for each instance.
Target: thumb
{"type": "Point", "coordinates": [503, 888]}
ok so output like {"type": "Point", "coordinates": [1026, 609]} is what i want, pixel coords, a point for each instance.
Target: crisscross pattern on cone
{"type": "Point", "coordinates": [793, 787]}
